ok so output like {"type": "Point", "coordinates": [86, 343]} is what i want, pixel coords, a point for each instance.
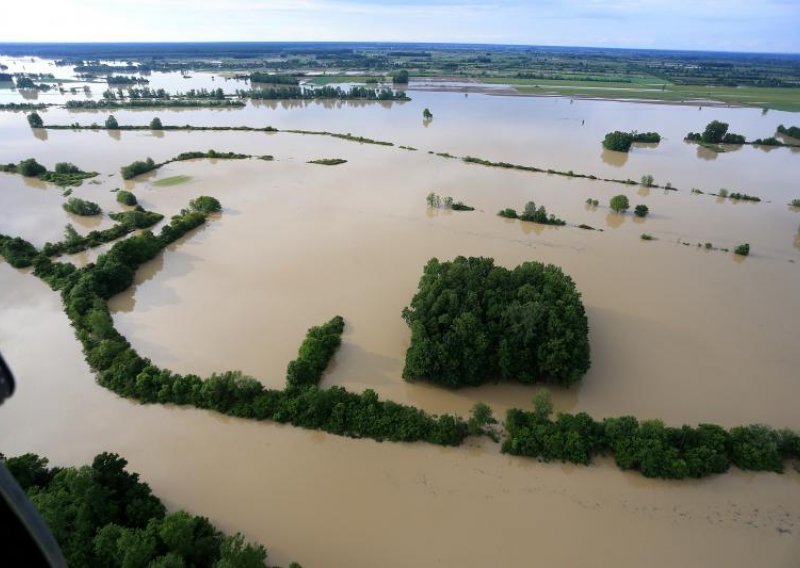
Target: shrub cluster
{"type": "Point", "coordinates": [315, 352]}
{"type": "Point", "coordinates": [622, 141]}
{"type": "Point", "coordinates": [126, 197]}
{"type": "Point", "coordinates": [78, 206]}
{"type": "Point", "coordinates": [436, 201]}
{"type": "Point", "coordinates": [649, 447]}
{"type": "Point", "coordinates": [102, 515]}
{"type": "Point", "coordinates": [793, 131]}
{"type": "Point", "coordinates": [472, 321]}
{"type": "Point", "coordinates": [716, 132]}
{"type": "Point", "coordinates": [533, 214]}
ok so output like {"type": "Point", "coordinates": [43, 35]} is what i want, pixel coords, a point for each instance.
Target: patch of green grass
{"type": "Point", "coordinates": [172, 180]}
{"type": "Point", "coordinates": [785, 99]}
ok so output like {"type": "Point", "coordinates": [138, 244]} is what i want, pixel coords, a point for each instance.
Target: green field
{"type": "Point", "coordinates": [776, 98]}
{"type": "Point", "coordinates": [172, 180]}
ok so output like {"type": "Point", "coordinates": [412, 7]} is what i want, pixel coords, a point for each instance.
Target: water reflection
{"type": "Point", "coordinates": [612, 158]}
{"type": "Point", "coordinates": [706, 153]}
{"type": "Point", "coordinates": [39, 133]}
{"type": "Point", "coordinates": [529, 227]}
{"type": "Point", "coordinates": [34, 182]}
{"type": "Point", "coordinates": [643, 190]}
{"type": "Point", "coordinates": [90, 222]}
{"type": "Point", "coordinates": [615, 220]}
{"type": "Point", "coordinates": [115, 134]}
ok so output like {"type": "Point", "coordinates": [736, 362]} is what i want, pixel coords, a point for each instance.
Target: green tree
{"type": "Point", "coordinates": [31, 168]}
{"type": "Point", "coordinates": [618, 141]}
{"type": "Point", "coordinates": [647, 180]}
{"type": "Point", "coordinates": [206, 204]}
{"type": "Point", "coordinates": [715, 131]}
{"type": "Point", "coordinates": [619, 203]}
{"type": "Point", "coordinates": [111, 122]}
{"type": "Point", "coordinates": [35, 120]}
{"type": "Point", "coordinates": [427, 114]}
{"type": "Point", "coordinates": [742, 250]}
{"type": "Point", "coordinates": [641, 210]}
{"type": "Point", "coordinates": [400, 76]}
{"type": "Point", "coordinates": [155, 124]}
{"type": "Point", "coordinates": [126, 197]}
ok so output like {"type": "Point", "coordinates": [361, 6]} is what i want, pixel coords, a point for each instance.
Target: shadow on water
{"type": "Point", "coordinates": [612, 158]}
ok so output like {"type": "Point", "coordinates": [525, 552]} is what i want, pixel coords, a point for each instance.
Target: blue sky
{"type": "Point", "coordinates": [727, 25]}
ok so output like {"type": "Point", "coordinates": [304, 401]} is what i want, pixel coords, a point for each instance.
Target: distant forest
{"type": "Point", "coordinates": [521, 62]}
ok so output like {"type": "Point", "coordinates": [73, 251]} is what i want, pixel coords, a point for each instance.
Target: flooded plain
{"type": "Point", "coordinates": [678, 332]}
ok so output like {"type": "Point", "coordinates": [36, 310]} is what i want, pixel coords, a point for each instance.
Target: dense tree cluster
{"type": "Point", "coordinates": [793, 131]}
{"type": "Point", "coordinates": [619, 203]}
{"type": "Point", "coordinates": [716, 132]}
{"type": "Point", "coordinates": [137, 168]}
{"type": "Point", "coordinates": [83, 207]}
{"type": "Point", "coordinates": [273, 79]}
{"type": "Point", "coordinates": [472, 321]}
{"type": "Point", "coordinates": [622, 141]}
{"type": "Point", "coordinates": [65, 174]}
{"type": "Point", "coordinates": [126, 197]}
{"type": "Point", "coordinates": [325, 92]}
{"type": "Point", "coordinates": [649, 447]}
{"type": "Point", "coordinates": [35, 120]}
{"type": "Point", "coordinates": [103, 515]}
{"type": "Point", "coordinates": [400, 76]}
{"type": "Point", "coordinates": [315, 352]}
{"type": "Point", "coordinates": [533, 214]}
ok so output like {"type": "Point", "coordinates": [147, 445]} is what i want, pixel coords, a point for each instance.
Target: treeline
{"type": "Point", "coordinates": [325, 92]}
{"type": "Point", "coordinates": [622, 141]}
{"type": "Point", "coordinates": [85, 293]}
{"type": "Point", "coordinates": [65, 173]}
{"type": "Point", "coordinates": [152, 103]}
{"type": "Point", "coordinates": [139, 167]}
{"type": "Point", "coordinates": [103, 515]}
{"type": "Point", "coordinates": [472, 322]}
{"type": "Point", "coordinates": [127, 222]}
{"type": "Point", "coordinates": [257, 77]}
{"type": "Point", "coordinates": [315, 352]}
{"type": "Point", "coordinates": [649, 446]}
{"type": "Point", "coordinates": [125, 80]}
{"type": "Point", "coordinates": [148, 93]}
{"type": "Point", "coordinates": [533, 214]}
{"type": "Point", "coordinates": [716, 132]}
{"type": "Point", "coordinates": [23, 106]}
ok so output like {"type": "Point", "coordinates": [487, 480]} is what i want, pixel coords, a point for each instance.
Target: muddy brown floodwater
{"type": "Point", "coordinates": [677, 332]}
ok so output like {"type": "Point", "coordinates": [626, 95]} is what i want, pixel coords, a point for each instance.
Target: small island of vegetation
{"type": "Point", "coordinates": [328, 161]}
{"type": "Point", "coordinates": [436, 201]}
{"type": "Point", "coordinates": [82, 207]}
{"type": "Point", "coordinates": [622, 141]}
{"type": "Point", "coordinates": [65, 173]}
{"type": "Point", "coordinates": [716, 132]}
{"type": "Point", "coordinates": [472, 322]}
{"type": "Point", "coordinates": [533, 214]}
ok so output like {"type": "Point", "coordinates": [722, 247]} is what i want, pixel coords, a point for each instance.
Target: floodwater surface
{"type": "Point", "coordinates": [678, 332]}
